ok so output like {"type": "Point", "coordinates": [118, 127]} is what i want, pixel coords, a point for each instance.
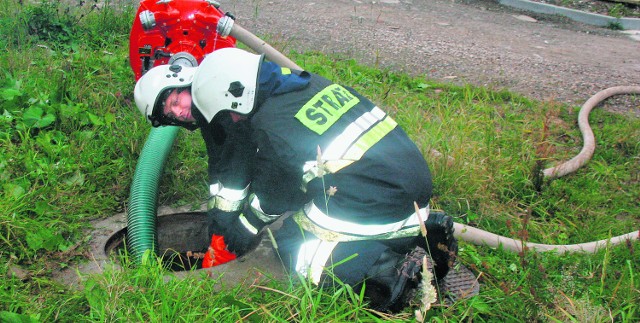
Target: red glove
{"type": "Point", "coordinates": [217, 253]}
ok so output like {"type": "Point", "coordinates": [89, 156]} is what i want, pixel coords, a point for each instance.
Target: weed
{"type": "Point", "coordinates": [618, 10]}
{"type": "Point", "coordinates": [615, 25]}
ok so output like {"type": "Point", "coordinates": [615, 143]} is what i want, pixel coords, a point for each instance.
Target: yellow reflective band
{"type": "Point", "coordinates": [326, 107]}
{"type": "Point", "coordinates": [285, 71]}
{"type": "Point", "coordinates": [218, 189]}
{"type": "Point", "coordinates": [370, 138]}
{"type": "Point", "coordinates": [351, 133]}
{"type": "Point", "coordinates": [348, 147]}
{"type": "Point", "coordinates": [254, 203]}
{"type": "Point", "coordinates": [226, 199]}
{"type": "Point", "coordinates": [318, 217]}
{"type": "Point", "coordinates": [333, 166]}
{"type": "Point", "coordinates": [222, 204]}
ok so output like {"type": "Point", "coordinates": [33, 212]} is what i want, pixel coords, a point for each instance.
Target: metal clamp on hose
{"type": "Point", "coordinates": [183, 59]}
{"type": "Point", "coordinates": [224, 25]}
{"type": "Point", "coordinates": [213, 3]}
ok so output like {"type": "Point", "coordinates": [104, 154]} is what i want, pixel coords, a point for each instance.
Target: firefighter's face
{"type": "Point", "coordinates": [178, 105]}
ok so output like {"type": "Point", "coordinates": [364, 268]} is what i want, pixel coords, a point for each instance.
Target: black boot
{"type": "Point", "coordinates": [391, 278]}
{"type": "Point", "coordinates": [442, 246]}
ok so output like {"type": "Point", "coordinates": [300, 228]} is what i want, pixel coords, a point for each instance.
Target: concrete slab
{"type": "Point", "coordinates": [634, 34]}
{"type": "Point", "coordinates": [577, 15]}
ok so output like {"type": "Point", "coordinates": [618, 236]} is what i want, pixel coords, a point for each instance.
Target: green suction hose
{"type": "Point", "coordinates": [141, 214]}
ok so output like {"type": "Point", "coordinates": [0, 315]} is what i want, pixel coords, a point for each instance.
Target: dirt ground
{"type": "Point", "coordinates": [462, 41]}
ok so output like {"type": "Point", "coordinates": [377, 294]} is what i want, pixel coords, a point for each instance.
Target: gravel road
{"type": "Point", "coordinates": [472, 41]}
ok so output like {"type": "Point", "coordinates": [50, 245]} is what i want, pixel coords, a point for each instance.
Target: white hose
{"type": "Point", "coordinates": [475, 235]}
{"type": "Point", "coordinates": [260, 46]}
{"type": "Point", "coordinates": [589, 144]}
{"type": "Point", "coordinates": [481, 237]}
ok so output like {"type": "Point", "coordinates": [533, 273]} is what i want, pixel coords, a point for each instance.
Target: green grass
{"type": "Point", "coordinates": [70, 136]}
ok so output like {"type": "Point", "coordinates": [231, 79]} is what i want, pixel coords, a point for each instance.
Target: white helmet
{"type": "Point", "coordinates": [226, 80]}
{"type": "Point", "coordinates": [152, 87]}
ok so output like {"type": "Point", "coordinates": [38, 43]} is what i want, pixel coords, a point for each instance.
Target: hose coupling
{"type": "Point", "coordinates": [213, 3]}
{"type": "Point", "coordinates": [148, 20]}
{"type": "Point", "coordinates": [225, 24]}
{"type": "Point", "coordinates": [183, 59]}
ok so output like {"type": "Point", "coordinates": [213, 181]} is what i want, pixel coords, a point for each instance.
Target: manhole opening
{"type": "Point", "coordinates": [182, 240]}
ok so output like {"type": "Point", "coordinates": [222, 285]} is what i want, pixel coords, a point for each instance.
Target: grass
{"type": "Point", "coordinates": [608, 8]}
{"type": "Point", "coordinates": [70, 137]}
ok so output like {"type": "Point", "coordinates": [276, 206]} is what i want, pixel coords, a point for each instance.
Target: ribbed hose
{"type": "Point", "coordinates": [141, 214]}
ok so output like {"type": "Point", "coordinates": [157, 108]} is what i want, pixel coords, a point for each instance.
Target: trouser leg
{"type": "Point", "coordinates": [387, 275]}
{"type": "Point", "coordinates": [346, 261]}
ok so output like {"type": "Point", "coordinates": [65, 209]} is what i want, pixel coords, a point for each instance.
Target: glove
{"type": "Point", "coordinates": [236, 235]}
{"type": "Point", "coordinates": [217, 254]}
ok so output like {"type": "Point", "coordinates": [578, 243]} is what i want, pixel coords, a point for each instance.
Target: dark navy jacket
{"type": "Point", "coordinates": [296, 114]}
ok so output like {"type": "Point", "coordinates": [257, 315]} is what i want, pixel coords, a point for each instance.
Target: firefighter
{"type": "Point", "coordinates": [283, 141]}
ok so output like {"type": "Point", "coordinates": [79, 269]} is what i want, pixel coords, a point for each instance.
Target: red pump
{"type": "Point", "coordinates": [167, 31]}
{"type": "Point", "coordinates": [179, 32]}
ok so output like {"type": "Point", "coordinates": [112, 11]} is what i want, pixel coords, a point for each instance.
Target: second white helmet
{"type": "Point", "coordinates": [226, 80]}
{"type": "Point", "coordinates": [151, 87]}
